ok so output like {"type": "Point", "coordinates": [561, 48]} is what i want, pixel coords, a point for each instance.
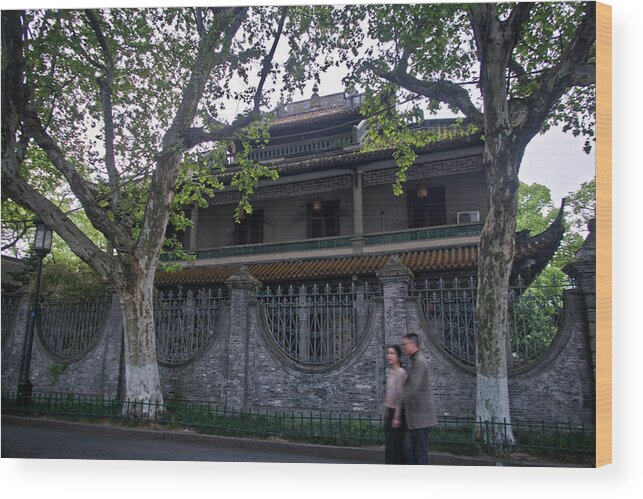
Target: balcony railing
{"type": "Point", "coordinates": [286, 247]}
{"type": "Point", "coordinates": [423, 234]}
{"type": "Point", "coordinates": [302, 148]}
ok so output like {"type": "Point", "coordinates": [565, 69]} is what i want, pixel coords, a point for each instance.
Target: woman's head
{"type": "Point", "coordinates": [393, 355]}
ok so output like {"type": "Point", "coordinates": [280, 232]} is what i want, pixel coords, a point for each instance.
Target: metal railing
{"type": "Point", "coordinates": [267, 248]}
{"type": "Point", "coordinates": [302, 148]}
{"type": "Point", "coordinates": [185, 323]}
{"type": "Point", "coordinates": [460, 435]}
{"type": "Point", "coordinates": [449, 306]}
{"type": "Point", "coordinates": [69, 330]}
{"type": "Point", "coordinates": [423, 234]}
{"type": "Point", "coordinates": [317, 324]}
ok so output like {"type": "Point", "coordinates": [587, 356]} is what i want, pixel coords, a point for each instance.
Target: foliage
{"type": "Point", "coordinates": [536, 212]}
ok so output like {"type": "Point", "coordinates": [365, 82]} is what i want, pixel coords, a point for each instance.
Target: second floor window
{"type": "Point", "coordinates": [250, 230]}
{"type": "Point", "coordinates": [427, 209]}
{"type": "Point", "coordinates": [323, 219]}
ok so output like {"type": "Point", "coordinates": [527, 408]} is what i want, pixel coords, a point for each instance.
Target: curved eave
{"type": "Point", "coordinates": [534, 253]}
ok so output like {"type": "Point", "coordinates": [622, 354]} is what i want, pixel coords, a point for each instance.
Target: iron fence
{"type": "Point", "coordinates": [552, 440]}
{"type": "Point", "coordinates": [449, 307]}
{"type": "Point", "coordinates": [69, 330]}
{"type": "Point", "coordinates": [185, 323]}
{"type": "Point", "coordinates": [317, 325]}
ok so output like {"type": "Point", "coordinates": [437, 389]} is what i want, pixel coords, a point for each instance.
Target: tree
{"type": "Point", "coordinates": [533, 65]}
{"type": "Point", "coordinates": [115, 100]}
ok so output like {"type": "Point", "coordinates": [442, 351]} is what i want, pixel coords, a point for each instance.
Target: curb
{"type": "Point", "coordinates": [371, 455]}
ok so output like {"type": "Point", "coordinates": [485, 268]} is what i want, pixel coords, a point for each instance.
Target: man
{"type": "Point", "coordinates": [419, 410]}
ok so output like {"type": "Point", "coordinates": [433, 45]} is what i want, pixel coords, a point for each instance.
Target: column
{"type": "Point", "coordinates": [357, 240]}
{"type": "Point", "coordinates": [583, 271]}
{"type": "Point", "coordinates": [243, 291]}
{"type": "Point", "coordinates": [194, 217]}
{"type": "Point", "coordinates": [396, 281]}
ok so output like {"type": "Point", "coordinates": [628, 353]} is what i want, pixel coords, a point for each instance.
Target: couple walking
{"type": "Point", "coordinates": [409, 411]}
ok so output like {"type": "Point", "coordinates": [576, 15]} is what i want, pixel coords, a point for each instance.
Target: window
{"type": "Point", "coordinates": [250, 230]}
{"type": "Point", "coordinates": [427, 211]}
{"type": "Point", "coordinates": [323, 219]}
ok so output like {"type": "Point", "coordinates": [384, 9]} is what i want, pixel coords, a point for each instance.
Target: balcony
{"type": "Point", "coordinates": [302, 148]}
{"type": "Point", "coordinates": [404, 240]}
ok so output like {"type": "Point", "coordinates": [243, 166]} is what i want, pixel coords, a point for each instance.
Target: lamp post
{"type": "Point", "coordinates": [42, 246]}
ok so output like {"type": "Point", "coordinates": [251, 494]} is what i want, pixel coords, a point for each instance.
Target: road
{"type": "Point", "coordinates": [40, 439]}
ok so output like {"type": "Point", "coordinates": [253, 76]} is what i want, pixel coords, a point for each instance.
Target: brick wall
{"type": "Point", "coordinates": [243, 367]}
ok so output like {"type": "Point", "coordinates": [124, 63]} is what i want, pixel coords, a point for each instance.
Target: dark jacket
{"type": "Point", "coordinates": [419, 408]}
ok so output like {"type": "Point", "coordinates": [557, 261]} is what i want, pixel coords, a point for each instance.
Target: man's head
{"type": "Point", "coordinates": [410, 343]}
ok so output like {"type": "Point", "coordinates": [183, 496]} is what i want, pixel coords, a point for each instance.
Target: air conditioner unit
{"type": "Point", "coordinates": [467, 217]}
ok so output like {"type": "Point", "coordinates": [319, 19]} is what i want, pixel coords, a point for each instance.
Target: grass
{"type": "Point", "coordinates": [536, 441]}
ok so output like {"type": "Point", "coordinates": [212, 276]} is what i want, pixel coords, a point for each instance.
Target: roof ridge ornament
{"type": "Point", "coordinates": [315, 99]}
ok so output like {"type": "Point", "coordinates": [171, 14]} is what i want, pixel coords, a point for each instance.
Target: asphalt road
{"type": "Point", "coordinates": [40, 439]}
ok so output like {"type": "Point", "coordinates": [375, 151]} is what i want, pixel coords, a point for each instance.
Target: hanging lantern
{"type": "Point", "coordinates": [423, 191]}
{"type": "Point", "coordinates": [317, 204]}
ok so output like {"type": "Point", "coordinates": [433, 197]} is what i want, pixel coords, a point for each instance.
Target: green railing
{"type": "Point", "coordinates": [424, 234]}
{"type": "Point", "coordinates": [465, 436]}
{"type": "Point", "coordinates": [261, 249]}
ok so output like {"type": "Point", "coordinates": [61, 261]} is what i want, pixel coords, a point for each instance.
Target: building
{"type": "Point", "coordinates": [292, 308]}
{"type": "Point", "coordinates": [332, 213]}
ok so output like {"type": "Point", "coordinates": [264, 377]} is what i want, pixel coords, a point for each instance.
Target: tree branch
{"type": "Point", "coordinates": [449, 93]}
{"type": "Point", "coordinates": [15, 187]}
{"type": "Point", "coordinates": [572, 70]}
{"type": "Point", "coordinates": [16, 106]}
{"type": "Point", "coordinates": [163, 184]}
{"type": "Point", "coordinates": [106, 88]}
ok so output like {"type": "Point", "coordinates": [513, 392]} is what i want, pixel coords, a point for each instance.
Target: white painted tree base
{"type": "Point", "coordinates": [492, 406]}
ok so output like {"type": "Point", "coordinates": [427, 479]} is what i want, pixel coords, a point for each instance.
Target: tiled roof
{"type": "Point", "coordinates": [418, 261]}
{"type": "Point", "coordinates": [314, 116]}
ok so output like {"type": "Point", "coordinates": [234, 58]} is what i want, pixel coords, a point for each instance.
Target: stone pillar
{"type": "Point", "coordinates": [13, 344]}
{"type": "Point", "coordinates": [583, 271]}
{"type": "Point", "coordinates": [243, 292]}
{"type": "Point", "coordinates": [357, 241]}
{"type": "Point", "coordinates": [396, 280]}
{"type": "Point", "coordinates": [194, 230]}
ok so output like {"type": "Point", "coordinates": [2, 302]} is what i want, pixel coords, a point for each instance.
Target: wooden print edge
{"type": "Point", "coordinates": [603, 234]}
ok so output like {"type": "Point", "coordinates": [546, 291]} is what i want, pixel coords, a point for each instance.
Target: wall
{"type": "Point", "coordinates": [241, 367]}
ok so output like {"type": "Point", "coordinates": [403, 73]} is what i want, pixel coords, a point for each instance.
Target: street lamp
{"type": "Point", "coordinates": [42, 246]}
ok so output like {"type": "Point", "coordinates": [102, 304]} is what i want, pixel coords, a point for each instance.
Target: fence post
{"type": "Point", "coordinates": [396, 280]}
{"type": "Point", "coordinates": [583, 271]}
{"type": "Point", "coordinates": [243, 291]}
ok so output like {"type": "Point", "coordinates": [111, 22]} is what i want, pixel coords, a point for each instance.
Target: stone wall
{"type": "Point", "coordinates": [242, 367]}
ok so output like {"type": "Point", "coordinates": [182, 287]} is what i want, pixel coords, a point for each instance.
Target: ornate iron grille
{"type": "Point", "coordinates": [449, 307]}
{"type": "Point", "coordinates": [8, 311]}
{"type": "Point", "coordinates": [317, 325]}
{"type": "Point", "coordinates": [70, 330]}
{"type": "Point", "coordinates": [185, 322]}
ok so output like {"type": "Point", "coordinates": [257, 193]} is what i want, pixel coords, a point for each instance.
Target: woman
{"type": "Point", "coordinates": [393, 426]}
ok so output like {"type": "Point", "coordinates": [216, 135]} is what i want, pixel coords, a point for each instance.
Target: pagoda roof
{"type": "Point", "coordinates": [316, 116]}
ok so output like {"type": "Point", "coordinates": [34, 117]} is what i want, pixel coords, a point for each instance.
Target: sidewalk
{"type": "Point", "coordinates": [369, 455]}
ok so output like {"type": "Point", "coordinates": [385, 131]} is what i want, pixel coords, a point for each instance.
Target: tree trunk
{"type": "Point", "coordinates": [142, 380]}
{"type": "Point", "coordinates": [501, 161]}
